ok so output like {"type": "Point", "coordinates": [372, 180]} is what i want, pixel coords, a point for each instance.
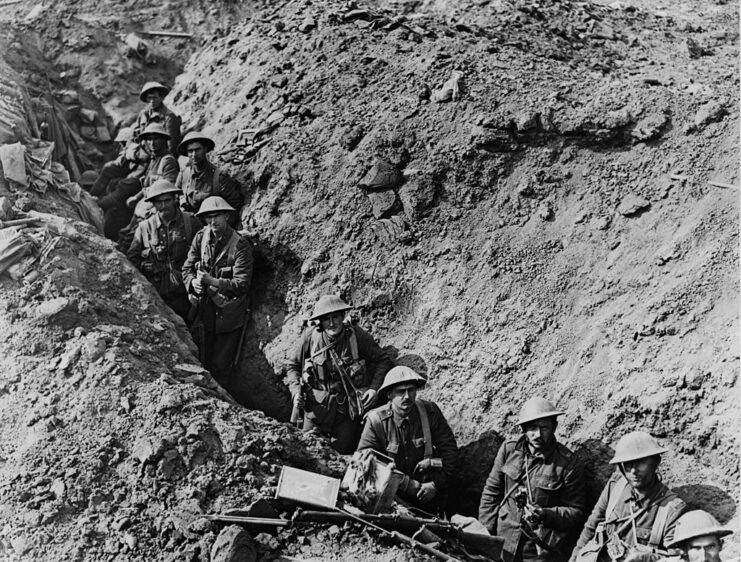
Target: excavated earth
{"type": "Point", "coordinates": [553, 232]}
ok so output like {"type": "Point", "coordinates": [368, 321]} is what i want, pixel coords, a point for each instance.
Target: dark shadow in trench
{"type": "Point", "coordinates": [256, 385]}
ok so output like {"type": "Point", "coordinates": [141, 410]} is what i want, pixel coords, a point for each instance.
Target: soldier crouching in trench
{"type": "Point", "coordinates": [416, 435]}
{"type": "Point", "coordinates": [217, 274]}
{"type": "Point", "coordinates": [335, 373]}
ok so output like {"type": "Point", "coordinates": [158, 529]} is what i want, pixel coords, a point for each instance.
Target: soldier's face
{"type": "Point", "coordinates": [704, 549]}
{"type": "Point", "coordinates": [640, 473]}
{"type": "Point", "coordinates": [154, 99]}
{"type": "Point", "coordinates": [155, 144]}
{"type": "Point", "coordinates": [540, 434]}
{"type": "Point", "coordinates": [166, 206]}
{"type": "Point", "coordinates": [402, 398]}
{"type": "Point", "coordinates": [217, 222]}
{"type": "Point", "coordinates": [196, 153]}
{"type": "Point", "coordinates": [332, 324]}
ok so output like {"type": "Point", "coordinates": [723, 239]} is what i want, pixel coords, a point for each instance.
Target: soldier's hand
{"type": "Point", "coordinates": [369, 398]}
{"type": "Point", "coordinates": [299, 401]}
{"type": "Point", "coordinates": [131, 151]}
{"type": "Point", "coordinates": [427, 492]}
{"type": "Point", "coordinates": [206, 279]}
{"type": "Point", "coordinates": [534, 513]}
{"type": "Point", "coordinates": [197, 286]}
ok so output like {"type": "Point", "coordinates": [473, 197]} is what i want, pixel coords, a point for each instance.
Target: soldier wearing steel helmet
{"type": "Point", "coordinates": [534, 496]}
{"type": "Point", "coordinates": [217, 275]}
{"type": "Point", "coordinates": [161, 165]}
{"type": "Point", "coordinates": [200, 178]}
{"type": "Point", "coordinates": [636, 514]}
{"type": "Point", "coordinates": [153, 94]}
{"type": "Point", "coordinates": [416, 435]}
{"type": "Point", "coordinates": [332, 357]}
{"type": "Point", "coordinates": [127, 164]}
{"type": "Point", "coordinates": [161, 244]}
{"type": "Point", "coordinates": [699, 536]}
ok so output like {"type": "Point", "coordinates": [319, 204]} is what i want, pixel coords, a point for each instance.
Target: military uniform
{"type": "Point", "coordinates": [404, 440]}
{"type": "Point", "coordinates": [555, 483]}
{"type": "Point", "coordinates": [326, 404]}
{"type": "Point", "coordinates": [620, 512]}
{"type": "Point", "coordinates": [159, 250]}
{"type": "Point", "coordinates": [197, 185]}
{"type": "Point", "coordinates": [165, 117]}
{"type": "Point", "coordinates": [223, 314]}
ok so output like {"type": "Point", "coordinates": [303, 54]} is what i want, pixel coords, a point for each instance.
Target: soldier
{"type": "Point", "coordinates": [699, 536]}
{"type": "Point", "coordinates": [161, 245]}
{"type": "Point", "coordinates": [534, 497]}
{"type": "Point", "coordinates": [200, 178]}
{"type": "Point", "coordinates": [416, 435]}
{"type": "Point", "coordinates": [217, 274]}
{"type": "Point", "coordinates": [161, 165]}
{"type": "Point", "coordinates": [153, 94]}
{"type": "Point", "coordinates": [128, 163]}
{"type": "Point", "coordinates": [636, 513]}
{"type": "Point", "coordinates": [332, 357]}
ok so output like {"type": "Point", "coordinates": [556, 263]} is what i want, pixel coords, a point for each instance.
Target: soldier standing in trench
{"type": "Point", "coordinates": [699, 536]}
{"type": "Point", "coordinates": [200, 178]}
{"type": "Point", "coordinates": [153, 94]}
{"type": "Point", "coordinates": [217, 274]}
{"type": "Point", "coordinates": [635, 516]}
{"type": "Point", "coordinates": [417, 436]}
{"type": "Point", "coordinates": [161, 244]}
{"type": "Point", "coordinates": [535, 497]}
{"type": "Point", "coordinates": [333, 361]}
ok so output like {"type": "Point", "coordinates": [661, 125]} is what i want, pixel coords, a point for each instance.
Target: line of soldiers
{"type": "Point", "coordinates": [534, 497]}
{"type": "Point", "coordinates": [178, 227]}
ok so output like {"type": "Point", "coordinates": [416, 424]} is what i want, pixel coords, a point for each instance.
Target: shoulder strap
{"type": "Point", "coordinates": [354, 344]}
{"type": "Point", "coordinates": [425, 421]}
{"type": "Point", "coordinates": [376, 422]}
{"type": "Point", "coordinates": [615, 493]}
{"type": "Point", "coordinates": [659, 527]}
{"type": "Point", "coordinates": [215, 181]}
{"type": "Point", "coordinates": [188, 228]}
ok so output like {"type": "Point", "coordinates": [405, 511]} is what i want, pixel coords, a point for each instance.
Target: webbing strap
{"type": "Point", "coordinates": [659, 526]}
{"type": "Point", "coordinates": [615, 494]}
{"type": "Point", "coordinates": [426, 433]}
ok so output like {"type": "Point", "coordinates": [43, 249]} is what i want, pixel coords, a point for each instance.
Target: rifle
{"type": "Point", "coordinates": [297, 413]}
{"type": "Point", "coordinates": [238, 354]}
{"type": "Point", "coordinates": [355, 406]}
{"type": "Point", "coordinates": [394, 525]}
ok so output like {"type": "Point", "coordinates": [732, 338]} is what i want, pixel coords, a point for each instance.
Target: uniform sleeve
{"type": "Point", "coordinates": [134, 252]}
{"type": "Point", "coordinates": [571, 512]}
{"type": "Point", "coordinates": [369, 438]}
{"type": "Point", "coordinates": [676, 508]}
{"type": "Point", "coordinates": [126, 188]}
{"type": "Point", "coordinates": [446, 448]}
{"type": "Point", "coordinates": [597, 517]}
{"type": "Point", "coordinates": [376, 359]}
{"type": "Point", "coordinates": [170, 169]}
{"type": "Point", "coordinates": [493, 492]}
{"type": "Point", "coordinates": [241, 279]}
{"type": "Point", "coordinates": [138, 127]}
{"type": "Point", "coordinates": [295, 362]}
{"type": "Point", "coordinates": [229, 189]}
{"type": "Point", "coordinates": [189, 266]}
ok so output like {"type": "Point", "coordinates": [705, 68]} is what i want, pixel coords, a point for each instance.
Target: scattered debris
{"type": "Point", "coordinates": [451, 90]}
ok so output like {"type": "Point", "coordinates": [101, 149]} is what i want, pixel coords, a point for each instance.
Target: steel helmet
{"type": "Point", "coordinates": [154, 129]}
{"type": "Point", "coordinates": [149, 86]}
{"type": "Point", "coordinates": [161, 187]}
{"type": "Point", "coordinates": [697, 523]}
{"type": "Point", "coordinates": [636, 445]}
{"type": "Point", "coordinates": [329, 304]}
{"type": "Point", "coordinates": [125, 134]}
{"type": "Point", "coordinates": [401, 374]}
{"type": "Point", "coordinates": [195, 136]}
{"type": "Point", "coordinates": [537, 408]}
{"type": "Point", "coordinates": [87, 178]}
{"type": "Point", "coordinates": [214, 204]}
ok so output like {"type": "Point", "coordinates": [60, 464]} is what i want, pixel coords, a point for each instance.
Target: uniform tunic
{"type": "Point", "coordinates": [628, 500]}
{"type": "Point", "coordinates": [197, 185]}
{"type": "Point", "coordinates": [402, 439]}
{"type": "Point", "coordinates": [555, 481]}
{"type": "Point", "coordinates": [169, 120]}
{"type": "Point", "coordinates": [159, 250]}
